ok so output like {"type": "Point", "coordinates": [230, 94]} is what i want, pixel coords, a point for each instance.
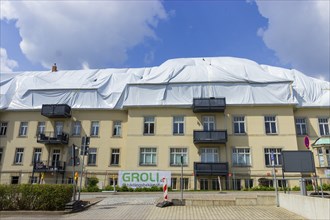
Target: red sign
{"type": "Point", "coordinates": [306, 141]}
{"type": "Point", "coordinates": [229, 174]}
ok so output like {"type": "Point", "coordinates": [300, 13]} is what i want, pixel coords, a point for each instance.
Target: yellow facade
{"type": "Point", "coordinates": [132, 141]}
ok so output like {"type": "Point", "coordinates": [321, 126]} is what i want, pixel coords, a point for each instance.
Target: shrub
{"type": "Point", "coordinates": [92, 184]}
{"type": "Point", "coordinates": [109, 188]}
{"type": "Point", "coordinates": [34, 197]}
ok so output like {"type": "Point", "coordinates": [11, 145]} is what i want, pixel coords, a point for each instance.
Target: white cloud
{"type": "Point", "coordinates": [76, 33]}
{"type": "Point", "coordinates": [298, 32]}
{"type": "Point", "coordinates": [6, 64]}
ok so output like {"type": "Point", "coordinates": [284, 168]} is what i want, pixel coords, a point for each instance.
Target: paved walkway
{"type": "Point", "coordinates": [142, 206]}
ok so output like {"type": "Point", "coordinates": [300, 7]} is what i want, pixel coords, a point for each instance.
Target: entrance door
{"type": "Point", "coordinates": [56, 158]}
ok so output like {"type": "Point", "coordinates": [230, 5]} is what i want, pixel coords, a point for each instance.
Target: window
{"type": "Point", "coordinates": [114, 157]}
{"type": "Point", "coordinates": [248, 183]}
{"type": "Point", "coordinates": [113, 181]}
{"type": "Point", "coordinates": [95, 128]}
{"type": "Point", "coordinates": [3, 128]}
{"type": "Point", "coordinates": [91, 157]}
{"type": "Point", "coordinates": [241, 157]}
{"type": "Point", "coordinates": [321, 157]}
{"type": "Point", "coordinates": [215, 184]}
{"type": "Point", "coordinates": [59, 127]}
{"type": "Point", "coordinates": [175, 156]}
{"type": "Point", "coordinates": [275, 153]}
{"type": "Point", "coordinates": [1, 153]}
{"type": "Point", "coordinates": [33, 179]}
{"type": "Point", "coordinates": [270, 124]}
{"type": "Point", "coordinates": [204, 184]}
{"type": "Point", "coordinates": [41, 127]}
{"type": "Point", "coordinates": [208, 123]}
{"type": "Point", "coordinates": [23, 129]}
{"type": "Point", "coordinates": [36, 155]}
{"type": "Point", "coordinates": [239, 125]}
{"type": "Point", "coordinates": [324, 126]}
{"type": "Point", "coordinates": [14, 179]}
{"type": "Point", "coordinates": [76, 128]}
{"type": "Point", "coordinates": [178, 125]}
{"type": "Point", "coordinates": [173, 183]}
{"type": "Point", "coordinates": [301, 127]}
{"type": "Point", "coordinates": [184, 183]}
{"type": "Point", "coordinates": [209, 155]}
{"type": "Point", "coordinates": [148, 156]}
{"type": "Point", "coordinates": [149, 125]}
{"type": "Point", "coordinates": [19, 156]}
{"type": "Point", "coordinates": [116, 128]}
{"type": "Point", "coordinates": [327, 155]}
{"type": "Point", "coordinates": [236, 184]}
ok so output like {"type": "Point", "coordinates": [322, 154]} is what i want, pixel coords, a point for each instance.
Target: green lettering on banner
{"type": "Point", "coordinates": [144, 177]}
{"type": "Point", "coordinates": [135, 176]}
{"type": "Point", "coordinates": [126, 177]}
{"type": "Point", "coordinates": [151, 177]}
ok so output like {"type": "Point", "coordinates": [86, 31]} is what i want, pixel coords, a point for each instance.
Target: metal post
{"type": "Point", "coordinates": [73, 178]}
{"type": "Point", "coordinates": [276, 190]}
{"type": "Point", "coordinates": [82, 165]}
{"type": "Point", "coordinates": [181, 185]}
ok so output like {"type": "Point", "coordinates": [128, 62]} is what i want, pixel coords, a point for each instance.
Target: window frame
{"type": "Point", "coordinates": [58, 127]}
{"type": "Point", "coordinates": [300, 122]}
{"type": "Point", "coordinates": [324, 126]}
{"type": "Point", "coordinates": [113, 157]}
{"type": "Point", "coordinates": [92, 156]}
{"type": "Point", "coordinates": [19, 156]}
{"type": "Point", "coordinates": [270, 123]}
{"type": "Point", "coordinates": [215, 155]}
{"type": "Point", "coordinates": [208, 122]}
{"type": "Point", "coordinates": [178, 151]}
{"type": "Point", "coordinates": [178, 121]}
{"type": "Point", "coordinates": [95, 129]}
{"type": "Point", "coordinates": [76, 129]}
{"type": "Point", "coordinates": [117, 129]}
{"type": "Point", "coordinates": [236, 154]}
{"type": "Point", "coordinates": [149, 125]}
{"type": "Point", "coordinates": [23, 129]}
{"type": "Point", "coordinates": [36, 154]}
{"type": "Point", "coordinates": [239, 122]}
{"type": "Point", "coordinates": [3, 128]}
{"type": "Point", "coordinates": [277, 156]}
{"type": "Point", "coordinates": [152, 153]}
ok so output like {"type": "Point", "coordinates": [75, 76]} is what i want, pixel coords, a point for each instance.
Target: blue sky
{"type": "Point", "coordinates": [103, 34]}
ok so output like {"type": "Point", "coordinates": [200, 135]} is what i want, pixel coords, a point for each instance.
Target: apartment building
{"type": "Point", "coordinates": [200, 119]}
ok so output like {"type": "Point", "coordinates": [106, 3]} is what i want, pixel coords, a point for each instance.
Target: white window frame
{"type": "Point", "coordinates": [149, 125]}
{"type": "Point", "coordinates": [117, 129]}
{"type": "Point", "coordinates": [277, 156]}
{"type": "Point", "coordinates": [92, 156]}
{"type": "Point", "coordinates": [41, 127]}
{"type": "Point", "coordinates": [301, 126]}
{"type": "Point", "coordinates": [76, 128]}
{"type": "Point", "coordinates": [241, 156]}
{"type": "Point", "coordinates": [178, 125]}
{"type": "Point", "coordinates": [239, 120]}
{"type": "Point", "coordinates": [95, 128]}
{"type": "Point", "coordinates": [3, 128]}
{"type": "Point", "coordinates": [175, 156]}
{"type": "Point", "coordinates": [37, 153]}
{"type": "Point", "coordinates": [59, 126]}
{"type": "Point", "coordinates": [324, 126]}
{"type": "Point", "coordinates": [271, 121]}
{"type": "Point", "coordinates": [210, 155]}
{"type": "Point", "coordinates": [148, 152]}
{"type": "Point", "coordinates": [209, 123]}
{"type": "Point", "coordinates": [23, 128]}
{"type": "Point", "coordinates": [19, 154]}
{"type": "Point", "coordinates": [115, 157]}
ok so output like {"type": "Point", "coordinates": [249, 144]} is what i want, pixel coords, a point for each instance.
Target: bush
{"type": "Point", "coordinates": [262, 188]}
{"type": "Point", "coordinates": [34, 197]}
{"type": "Point", "coordinates": [92, 184]}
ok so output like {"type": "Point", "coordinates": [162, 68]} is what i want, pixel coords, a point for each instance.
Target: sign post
{"type": "Point", "coordinates": [274, 175]}
{"type": "Point", "coordinates": [83, 152]}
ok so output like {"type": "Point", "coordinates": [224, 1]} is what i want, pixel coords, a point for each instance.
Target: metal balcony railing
{"type": "Point", "coordinates": [209, 137]}
{"type": "Point", "coordinates": [209, 105]}
{"type": "Point", "coordinates": [56, 111]}
{"type": "Point", "coordinates": [212, 169]}
{"type": "Point", "coordinates": [49, 166]}
{"type": "Point", "coordinates": [53, 138]}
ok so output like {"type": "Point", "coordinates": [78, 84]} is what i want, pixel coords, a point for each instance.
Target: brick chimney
{"type": "Point", "coordinates": [54, 68]}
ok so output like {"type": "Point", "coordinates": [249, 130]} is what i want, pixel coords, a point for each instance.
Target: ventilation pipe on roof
{"type": "Point", "coordinates": [54, 68]}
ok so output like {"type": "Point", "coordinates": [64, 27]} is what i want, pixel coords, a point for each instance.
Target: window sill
{"type": "Point", "coordinates": [76, 136]}
{"type": "Point", "coordinates": [148, 134]}
{"type": "Point", "coordinates": [243, 165]}
{"type": "Point", "coordinates": [239, 134]}
{"type": "Point", "coordinates": [116, 136]}
{"type": "Point", "coordinates": [91, 165]}
{"type": "Point", "coordinates": [95, 136]}
{"type": "Point", "coordinates": [178, 165]}
{"type": "Point", "coordinates": [178, 134]}
{"type": "Point", "coordinates": [148, 165]}
{"type": "Point", "coordinates": [17, 164]}
{"type": "Point", "coordinates": [21, 136]}
{"type": "Point", "coordinates": [270, 166]}
{"type": "Point", "coordinates": [114, 165]}
{"type": "Point", "coordinates": [272, 134]}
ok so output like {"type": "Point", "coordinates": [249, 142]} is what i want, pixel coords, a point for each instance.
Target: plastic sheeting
{"type": "Point", "coordinates": [174, 83]}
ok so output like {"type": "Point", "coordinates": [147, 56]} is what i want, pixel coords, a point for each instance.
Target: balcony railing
{"type": "Point", "coordinates": [56, 111]}
{"type": "Point", "coordinates": [209, 105]}
{"type": "Point", "coordinates": [49, 166]}
{"type": "Point", "coordinates": [209, 137]}
{"type": "Point", "coordinates": [211, 169]}
{"type": "Point", "coordinates": [53, 138]}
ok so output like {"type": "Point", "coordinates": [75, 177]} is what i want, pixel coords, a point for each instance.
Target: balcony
{"type": "Point", "coordinates": [210, 137]}
{"type": "Point", "coordinates": [52, 138]}
{"type": "Point", "coordinates": [210, 169]}
{"type": "Point", "coordinates": [56, 111]}
{"type": "Point", "coordinates": [209, 105]}
{"type": "Point", "coordinates": [49, 166]}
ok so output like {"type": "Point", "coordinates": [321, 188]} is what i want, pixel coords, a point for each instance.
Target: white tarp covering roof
{"type": "Point", "coordinates": [174, 83]}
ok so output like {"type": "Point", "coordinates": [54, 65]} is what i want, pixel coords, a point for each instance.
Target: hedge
{"type": "Point", "coordinates": [35, 197]}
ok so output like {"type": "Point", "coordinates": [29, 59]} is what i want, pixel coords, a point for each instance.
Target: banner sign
{"type": "Point", "coordinates": [139, 179]}
{"type": "Point", "coordinates": [327, 174]}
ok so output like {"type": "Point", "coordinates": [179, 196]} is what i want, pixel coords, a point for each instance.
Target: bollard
{"type": "Point", "coordinates": [165, 190]}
